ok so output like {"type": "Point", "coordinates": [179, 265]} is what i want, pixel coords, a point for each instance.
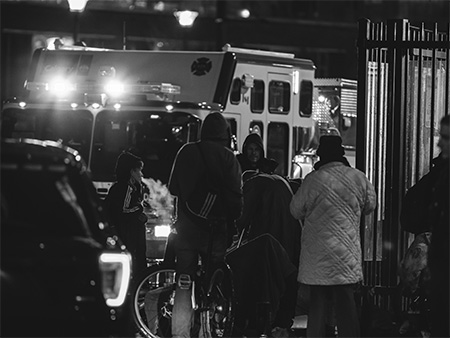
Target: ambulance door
{"type": "Point", "coordinates": [278, 138]}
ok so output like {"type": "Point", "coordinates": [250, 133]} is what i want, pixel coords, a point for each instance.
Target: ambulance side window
{"type": "Point", "coordinates": [256, 127]}
{"type": "Point", "coordinates": [306, 93]}
{"type": "Point", "coordinates": [277, 145]}
{"type": "Point", "coordinates": [257, 97]}
{"type": "Point", "coordinates": [235, 95]}
{"type": "Point", "coordinates": [279, 97]}
{"type": "Point", "coordinates": [233, 126]}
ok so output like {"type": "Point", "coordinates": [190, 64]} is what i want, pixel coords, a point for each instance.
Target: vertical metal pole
{"type": "Point", "coordinates": [433, 95]}
{"type": "Point", "coordinates": [400, 131]}
{"type": "Point", "coordinates": [124, 35]}
{"type": "Point", "coordinates": [447, 75]}
{"type": "Point", "coordinates": [221, 8]}
{"type": "Point", "coordinates": [362, 111]}
{"type": "Point", "coordinates": [76, 26]}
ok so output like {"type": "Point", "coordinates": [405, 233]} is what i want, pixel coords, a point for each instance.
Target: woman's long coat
{"type": "Point", "coordinates": [330, 203]}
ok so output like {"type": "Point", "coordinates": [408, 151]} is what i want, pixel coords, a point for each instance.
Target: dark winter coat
{"type": "Point", "coordinates": [266, 210]}
{"type": "Point", "coordinates": [223, 168]}
{"type": "Point", "coordinates": [124, 204]}
{"type": "Point", "coordinates": [424, 201]}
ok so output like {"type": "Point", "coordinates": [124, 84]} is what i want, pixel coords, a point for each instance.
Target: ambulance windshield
{"type": "Point", "coordinates": [155, 136]}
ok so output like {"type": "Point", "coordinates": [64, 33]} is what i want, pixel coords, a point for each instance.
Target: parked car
{"type": "Point", "coordinates": [64, 271]}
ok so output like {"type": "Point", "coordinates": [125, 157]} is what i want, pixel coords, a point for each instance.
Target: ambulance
{"type": "Point", "coordinates": [102, 102]}
{"type": "Point", "coordinates": [334, 109]}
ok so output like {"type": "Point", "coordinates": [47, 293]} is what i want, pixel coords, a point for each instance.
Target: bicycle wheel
{"type": "Point", "coordinates": [152, 301]}
{"type": "Point", "coordinates": [217, 304]}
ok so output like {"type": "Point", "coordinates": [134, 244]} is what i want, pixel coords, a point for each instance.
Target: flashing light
{"type": "Point", "coordinates": [186, 18]}
{"type": "Point", "coordinates": [22, 104]}
{"type": "Point", "coordinates": [169, 107]}
{"type": "Point", "coordinates": [96, 105]}
{"type": "Point", "coordinates": [116, 273]}
{"type": "Point", "coordinates": [244, 13]}
{"type": "Point", "coordinates": [114, 88]}
{"type": "Point", "coordinates": [321, 98]}
{"type": "Point", "coordinates": [60, 87]}
{"type": "Point", "coordinates": [154, 117]}
{"type": "Point", "coordinates": [74, 105]}
{"type": "Point", "coordinates": [117, 106]}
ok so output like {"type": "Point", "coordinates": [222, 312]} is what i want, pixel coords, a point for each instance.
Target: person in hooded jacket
{"type": "Point", "coordinates": [193, 234]}
{"type": "Point", "coordinates": [330, 203]}
{"type": "Point", "coordinates": [253, 157]}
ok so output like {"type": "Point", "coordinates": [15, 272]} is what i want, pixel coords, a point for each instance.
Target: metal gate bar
{"type": "Point", "coordinates": [403, 92]}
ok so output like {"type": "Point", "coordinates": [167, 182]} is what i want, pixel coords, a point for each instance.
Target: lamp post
{"type": "Point", "coordinates": [76, 7]}
{"type": "Point", "coordinates": [186, 19]}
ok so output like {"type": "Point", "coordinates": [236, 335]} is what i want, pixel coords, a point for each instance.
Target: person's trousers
{"type": "Point", "coordinates": [189, 245]}
{"type": "Point", "coordinates": [286, 312]}
{"type": "Point", "coordinates": [343, 297]}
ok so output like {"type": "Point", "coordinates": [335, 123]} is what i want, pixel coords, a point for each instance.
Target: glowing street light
{"type": "Point", "coordinates": [77, 5]}
{"type": "Point", "coordinates": [186, 18]}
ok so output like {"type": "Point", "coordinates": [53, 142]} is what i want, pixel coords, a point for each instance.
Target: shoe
{"type": "Point", "coordinates": [279, 332]}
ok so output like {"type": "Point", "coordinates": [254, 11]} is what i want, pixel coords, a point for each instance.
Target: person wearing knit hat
{"type": "Point", "coordinates": [210, 157]}
{"type": "Point", "coordinates": [330, 204]}
{"type": "Point", "coordinates": [253, 157]}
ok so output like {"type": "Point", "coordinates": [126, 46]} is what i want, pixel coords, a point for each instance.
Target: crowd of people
{"type": "Point", "coordinates": [311, 227]}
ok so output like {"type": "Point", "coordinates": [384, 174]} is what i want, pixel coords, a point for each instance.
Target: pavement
{"type": "Point", "coordinates": [299, 326]}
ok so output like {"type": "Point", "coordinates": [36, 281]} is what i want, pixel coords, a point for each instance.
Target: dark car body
{"type": "Point", "coordinates": [64, 272]}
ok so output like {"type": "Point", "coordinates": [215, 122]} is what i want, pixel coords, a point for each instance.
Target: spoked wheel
{"type": "Point", "coordinates": [217, 317]}
{"type": "Point", "coordinates": [153, 299]}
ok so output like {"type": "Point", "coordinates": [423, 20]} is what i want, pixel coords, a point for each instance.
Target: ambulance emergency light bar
{"type": "Point", "coordinates": [62, 88]}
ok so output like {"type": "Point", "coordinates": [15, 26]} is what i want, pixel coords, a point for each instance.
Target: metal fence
{"type": "Point", "coordinates": [403, 91]}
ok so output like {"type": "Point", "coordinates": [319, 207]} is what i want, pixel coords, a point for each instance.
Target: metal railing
{"type": "Point", "coordinates": [403, 92]}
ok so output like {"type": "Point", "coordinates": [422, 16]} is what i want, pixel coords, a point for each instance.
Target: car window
{"type": "Point", "coordinates": [36, 204]}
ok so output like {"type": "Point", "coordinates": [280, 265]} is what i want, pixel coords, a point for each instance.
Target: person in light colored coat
{"type": "Point", "coordinates": [330, 204]}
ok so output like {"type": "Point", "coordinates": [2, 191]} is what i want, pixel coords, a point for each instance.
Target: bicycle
{"type": "Point", "coordinates": [213, 301]}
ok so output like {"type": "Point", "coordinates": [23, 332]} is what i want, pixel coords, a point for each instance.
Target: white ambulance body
{"type": "Point", "coordinates": [276, 103]}
{"type": "Point", "coordinates": [102, 102]}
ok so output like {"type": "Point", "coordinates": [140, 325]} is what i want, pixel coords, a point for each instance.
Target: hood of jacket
{"type": "Point", "coordinates": [256, 139]}
{"type": "Point", "coordinates": [215, 128]}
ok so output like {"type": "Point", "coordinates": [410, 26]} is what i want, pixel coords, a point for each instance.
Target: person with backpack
{"type": "Point", "coordinates": [199, 166]}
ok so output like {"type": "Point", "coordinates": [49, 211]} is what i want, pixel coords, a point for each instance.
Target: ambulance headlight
{"type": "Point", "coordinates": [162, 230]}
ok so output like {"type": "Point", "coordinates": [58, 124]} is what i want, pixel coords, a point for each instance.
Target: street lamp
{"type": "Point", "coordinates": [76, 7]}
{"type": "Point", "coordinates": [186, 18]}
